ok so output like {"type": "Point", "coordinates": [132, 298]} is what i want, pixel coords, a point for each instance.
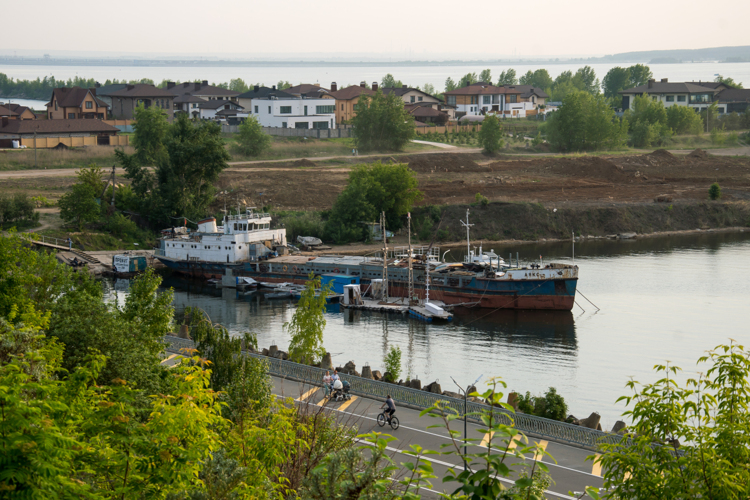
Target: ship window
{"type": "Point", "coordinates": [235, 226]}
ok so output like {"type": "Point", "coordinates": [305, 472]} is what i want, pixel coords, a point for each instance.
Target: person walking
{"type": "Point", "coordinates": [70, 243]}
{"type": "Point", "coordinates": [327, 383]}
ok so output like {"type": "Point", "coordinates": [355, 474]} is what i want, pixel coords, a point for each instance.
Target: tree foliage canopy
{"type": "Point", "coordinates": [382, 123]}
{"type": "Point", "coordinates": [308, 322]}
{"type": "Point", "coordinates": [181, 185]}
{"type": "Point", "coordinates": [370, 190]}
{"type": "Point", "coordinates": [251, 140]}
{"type": "Point", "coordinates": [491, 134]}
{"type": "Point", "coordinates": [585, 122]}
{"type": "Point", "coordinates": [507, 77]}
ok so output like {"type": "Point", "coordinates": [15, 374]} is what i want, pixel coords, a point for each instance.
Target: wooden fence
{"type": "Point", "coordinates": [73, 142]}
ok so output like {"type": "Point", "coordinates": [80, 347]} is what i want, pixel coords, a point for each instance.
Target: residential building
{"type": "Point", "coordinates": [21, 112]}
{"type": "Point", "coordinates": [311, 90]}
{"type": "Point", "coordinates": [6, 112]}
{"type": "Point", "coordinates": [103, 91]}
{"type": "Point", "coordinates": [534, 95]}
{"type": "Point", "coordinates": [420, 101]}
{"type": "Point", "coordinates": [246, 100]}
{"type": "Point", "coordinates": [75, 103]}
{"type": "Point", "coordinates": [695, 96]}
{"type": "Point", "coordinates": [481, 98]}
{"type": "Point", "coordinates": [127, 99]}
{"type": "Point", "coordinates": [294, 112]}
{"type": "Point", "coordinates": [347, 100]}
{"type": "Point", "coordinates": [28, 129]}
{"type": "Point", "coordinates": [209, 110]}
{"type": "Point", "coordinates": [731, 100]}
{"type": "Point", "coordinates": [189, 104]}
{"type": "Point", "coordinates": [203, 90]}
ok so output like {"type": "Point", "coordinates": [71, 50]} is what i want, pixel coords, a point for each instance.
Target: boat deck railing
{"type": "Point", "coordinates": [248, 216]}
{"type": "Point", "coordinates": [530, 424]}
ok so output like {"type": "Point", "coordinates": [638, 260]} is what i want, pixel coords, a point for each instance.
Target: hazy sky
{"type": "Point", "coordinates": [435, 28]}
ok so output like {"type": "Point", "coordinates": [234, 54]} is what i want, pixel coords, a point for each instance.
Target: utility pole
{"type": "Point", "coordinates": [466, 404]}
{"type": "Point", "coordinates": [385, 257]}
{"type": "Point", "coordinates": [411, 270]}
{"type": "Point", "coordinates": [113, 185]}
{"type": "Point", "coordinates": [468, 242]}
{"type": "Point", "coordinates": [35, 148]}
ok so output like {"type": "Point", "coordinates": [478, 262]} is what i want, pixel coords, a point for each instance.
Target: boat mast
{"type": "Point", "coordinates": [468, 242]}
{"type": "Point", "coordinates": [411, 270]}
{"type": "Point", "coordinates": [385, 257]}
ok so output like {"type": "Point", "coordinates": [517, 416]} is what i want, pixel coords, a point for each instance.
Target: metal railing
{"type": "Point", "coordinates": [406, 396]}
{"type": "Point", "coordinates": [40, 238]}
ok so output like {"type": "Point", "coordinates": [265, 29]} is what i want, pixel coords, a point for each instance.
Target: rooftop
{"type": "Point", "coordinates": [199, 88]}
{"type": "Point", "coordinates": [480, 89]}
{"type": "Point", "coordinates": [140, 90]}
{"type": "Point", "coordinates": [72, 97]}
{"type": "Point", "coordinates": [55, 126]}
{"type": "Point", "coordinates": [666, 87]}
{"type": "Point", "coordinates": [351, 92]}
{"type": "Point", "coordinates": [260, 92]}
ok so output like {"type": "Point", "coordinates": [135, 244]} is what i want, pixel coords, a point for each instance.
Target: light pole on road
{"type": "Point", "coordinates": [466, 402]}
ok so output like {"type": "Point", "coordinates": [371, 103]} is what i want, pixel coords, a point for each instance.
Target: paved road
{"type": "Point", "coordinates": [569, 469]}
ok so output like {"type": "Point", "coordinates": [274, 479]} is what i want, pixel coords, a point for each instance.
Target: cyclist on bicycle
{"type": "Point", "coordinates": [391, 407]}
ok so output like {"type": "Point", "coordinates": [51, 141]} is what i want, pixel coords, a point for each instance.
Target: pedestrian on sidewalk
{"type": "Point", "coordinates": [327, 382]}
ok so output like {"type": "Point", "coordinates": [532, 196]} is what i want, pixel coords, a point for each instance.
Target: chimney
{"type": "Point", "coordinates": [334, 87]}
{"type": "Point", "coordinates": [97, 85]}
{"type": "Point", "coordinates": [651, 83]}
{"type": "Point", "coordinates": [317, 84]}
{"type": "Point", "coordinates": [375, 86]}
{"type": "Point", "coordinates": [93, 90]}
{"type": "Point", "coordinates": [664, 80]}
{"type": "Point", "coordinates": [273, 87]}
{"type": "Point", "coordinates": [363, 84]}
{"type": "Point", "coordinates": [186, 84]}
{"type": "Point", "coordinates": [130, 87]}
{"type": "Point", "coordinates": [170, 85]}
{"type": "Point", "coordinates": [404, 87]}
{"type": "Point", "coordinates": [205, 83]}
{"type": "Point", "coordinates": [256, 88]}
{"type": "Point", "coordinates": [197, 86]}
{"type": "Point", "coordinates": [5, 121]}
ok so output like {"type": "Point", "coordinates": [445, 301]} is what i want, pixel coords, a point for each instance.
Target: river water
{"type": "Point", "coordinates": [667, 298]}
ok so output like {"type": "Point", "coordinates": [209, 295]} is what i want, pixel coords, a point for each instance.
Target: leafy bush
{"type": "Point", "coordinates": [122, 227]}
{"type": "Point", "coordinates": [585, 122]}
{"type": "Point", "coordinates": [482, 200]}
{"type": "Point", "coordinates": [490, 137]}
{"type": "Point", "coordinates": [714, 192]}
{"type": "Point", "coordinates": [684, 120]}
{"type": "Point", "coordinates": [301, 224]}
{"type": "Point", "coordinates": [382, 123]}
{"type": "Point", "coordinates": [251, 140]}
{"type": "Point", "coordinates": [17, 210]}
{"type": "Point", "coordinates": [551, 405]}
{"type": "Point", "coordinates": [42, 201]}
{"type": "Point", "coordinates": [717, 136]}
{"type": "Point", "coordinates": [79, 205]}
{"type": "Point", "coordinates": [392, 362]}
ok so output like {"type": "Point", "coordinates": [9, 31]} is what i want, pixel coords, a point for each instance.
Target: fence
{"type": "Point", "coordinates": [406, 396]}
{"type": "Point", "coordinates": [121, 125]}
{"type": "Point", "coordinates": [73, 142]}
{"type": "Point", "coordinates": [330, 133]}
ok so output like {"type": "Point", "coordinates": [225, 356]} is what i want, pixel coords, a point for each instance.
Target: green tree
{"type": "Point", "coordinates": [450, 84]}
{"type": "Point", "coordinates": [79, 205]}
{"type": "Point", "coordinates": [728, 81]}
{"type": "Point", "coordinates": [491, 134]}
{"type": "Point", "coordinates": [92, 176]}
{"type": "Point", "coordinates": [238, 85]}
{"type": "Point", "coordinates": [283, 85]}
{"type": "Point", "coordinates": [585, 79]}
{"type": "Point", "coordinates": [539, 78]}
{"type": "Point", "coordinates": [467, 80]}
{"type": "Point", "coordinates": [251, 140]}
{"type": "Point", "coordinates": [149, 134]}
{"type": "Point", "coordinates": [648, 122]}
{"type": "Point", "coordinates": [640, 74]}
{"type": "Point", "coordinates": [685, 441]}
{"type": "Point", "coordinates": [585, 122]}
{"type": "Point", "coordinates": [614, 81]}
{"type": "Point", "coordinates": [429, 89]}
{"type": "Point", "coordinates": [181, 185]}
{"type": "Point", "coordinates": [17, 209]}
{"type": "Point", "coordinates": [308, 322]}
{"type": "Point", "coordinates": [370, 190]}
{"type": "Point", "coordinates": [507, 77]}
{"type": "Point", "coordinates": [392, 362]}
{"type": "Point", "coordinates": [390, 81]}
{"type": "Point", "coordinates": [684, 120]}
{"type": "Point", "coordinates": [382, 123]}
{"type": "Point", "coordinates": [714, 192]}
{"type": "Point", "coordinates": [486, 76]}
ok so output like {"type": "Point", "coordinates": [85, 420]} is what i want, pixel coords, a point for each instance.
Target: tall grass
{"type": "Point", "coordinates": [23, 159]}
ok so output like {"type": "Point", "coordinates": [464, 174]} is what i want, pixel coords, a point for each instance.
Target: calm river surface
{"type": "Point", "coordinates": [668, 298]}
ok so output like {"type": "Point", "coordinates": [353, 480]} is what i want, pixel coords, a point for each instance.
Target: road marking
{"type": "Point", "coordinates": [549, 464]}
{"type": "Point", "coordinates": [597, 467]}
{"type": "Point", "coordinates": [171, 356]}
{"type": "Point", "coordinates": [323, 401]}
{"type": "Point", "coordinates": [486, 438]}
{"type": "Point", "coordinates": [541, 447]}
{"type": "Point", "coordinates": [309, 393]}
{"type": "Point", "coordinates": [346, 404]}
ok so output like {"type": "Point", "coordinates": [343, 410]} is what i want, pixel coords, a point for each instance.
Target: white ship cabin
{"type": "Point", "coordinates": [243, 237]}
{"type": "Point", "coordinates": [484, 258]}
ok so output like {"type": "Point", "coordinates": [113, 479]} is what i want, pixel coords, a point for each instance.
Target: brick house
{"type": "Point", "coordinates": [21, 112]}
{"type": "Point", "coordinates": [347, 100]}
{"type": "Point", "coordinates": [75, 103]}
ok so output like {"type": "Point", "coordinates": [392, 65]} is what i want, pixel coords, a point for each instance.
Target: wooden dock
{"type": "Point", "coordinates": [400, 305]}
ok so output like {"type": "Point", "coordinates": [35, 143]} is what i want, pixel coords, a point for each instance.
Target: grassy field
{"type": "Point", "coordinates": [23, 159]}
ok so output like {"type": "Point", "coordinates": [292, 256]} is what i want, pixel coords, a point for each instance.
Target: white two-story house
{"type": "Point", "coordinates": [294, 112]}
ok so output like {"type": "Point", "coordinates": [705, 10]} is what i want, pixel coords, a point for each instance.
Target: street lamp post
{"type": "Point", "coordinates": [466, 402]}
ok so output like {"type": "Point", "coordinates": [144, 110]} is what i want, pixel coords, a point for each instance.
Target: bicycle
{"type": "Point", "coordinates": [382, 419]}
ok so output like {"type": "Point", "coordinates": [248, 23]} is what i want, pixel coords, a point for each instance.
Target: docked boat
{"type": "Point", "coordinates": [247, 246]}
